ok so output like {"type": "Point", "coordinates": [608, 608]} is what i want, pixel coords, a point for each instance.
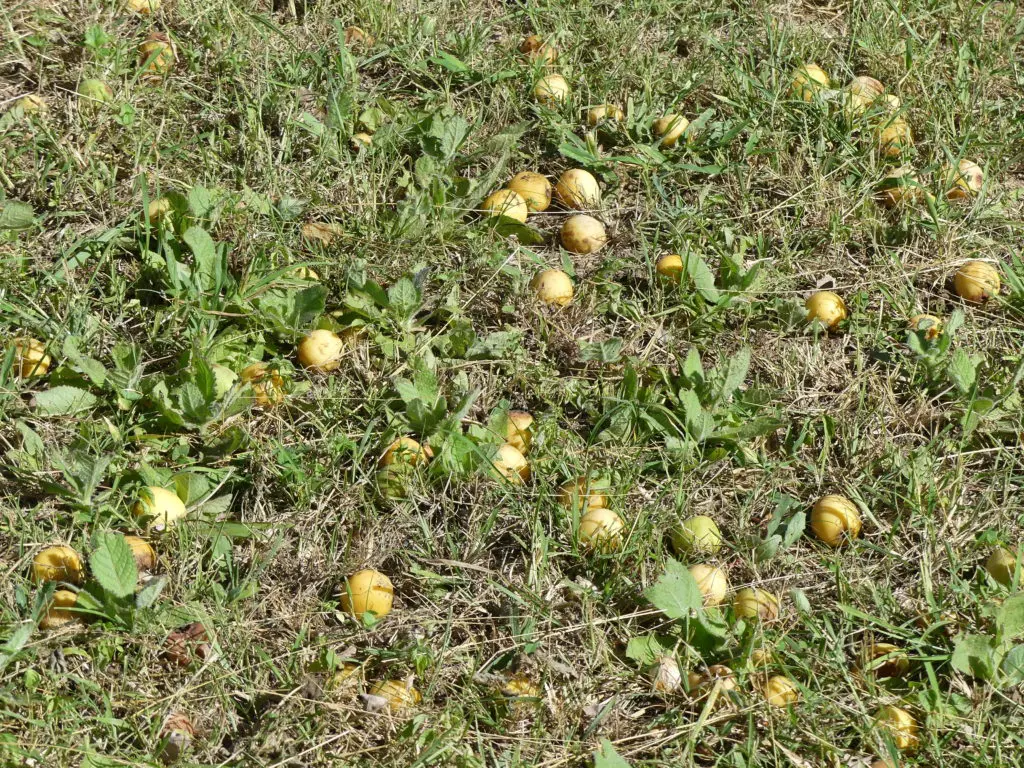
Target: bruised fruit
{"type": "Point", "coordinates": [582, 494]}
{"type": "Point", "coordinates": [808, 81]}
{"type": "Point", "coordinates": [553, 287]}
{"type": "Point", "coordinates": [144, 554]}
{"type": "Point", "coordinates": [361, 140]}
{"type": "Point", "coordinates": [187, 644]}
{"type": "Point", "coordinates": [600, 530]}
{"type": "Point", "coordinates": [506, 202]}
{"type": "Point", "coordinates": [321, 351]}
{"type": "Point", "coordinates": [976, 281]}
{"type": "Point", "coordinates": [965, 181]}
{"type": "Point", "coordinates": [697, 536]}
{"type": "Point", "coordinates": [667, 678]}
{"type": "Point", "coordinates": [144, 7]}
{"type": "Point", "coordinates": [578, 189]}
{"type": "Point", "coordinates": [884, 660]}
{"type": "Point", "coordinates": [58, 563]}
{"type": "Point", "coordinates": [534, 188]}
{"type": "Point", "coordinates": [358, 36]}
{"type": "Point", "coordinates": [893, 136]}
{"type": "Point", "coordinates": [157, 56]}
{"type": "Point", "coordinates": [826, 307]}
{"type": "Point", "coordinates": [898, 187]}
{"type": "Point", "coordinates": [712, 583]}
{"type": "Point", "coordinates": [899, 725]}
{"type": "Point", "coordinates": [267, 385]}
{"type": "Point", "coordinates": [30, 358]}
{"type": "Point", "coordinates": [835, 520]}
{"type": "Point", "coordinates": [929, 325]}
{"type": "Point", "coordinates": [367, 591]}
{"type": "Point", "coordinates": [399, 694]}
{"type": "Point", "coordinates": [175, 737]}
{"type": "Point", "coordinates": [159, 508]}
{"type": "Point", "coordinates": [583, 234]}
{"type": "Point", "coordinates": [534, 47]}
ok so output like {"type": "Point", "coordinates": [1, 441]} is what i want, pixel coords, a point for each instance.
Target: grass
{"type": "Point", "coordinates": [249, 138]}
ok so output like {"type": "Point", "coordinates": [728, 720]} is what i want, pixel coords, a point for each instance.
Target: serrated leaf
{"type": "Point", "coordinates": [113, 566]}
{"type": "Point", "coordinates": [149, 594]}
{"type": "Point", "coordinates": [975, 656]}
{"type": "Point", "coordinates": [607, 757]}
{"type": "Point", "coordinates": [794, 529]}
{"type": "Point", "coordinates": [1010, 618]}
{"type": "Point", "coordinates": [63, 401]}
{"type": "Point", "coordinates": [676, 593]}
{"type": "Point", "coordinates": [645, 649]}
{"type": "Point", "coordinates": [962, 371]}
{"type": "Point", "coordinates": [16, 215]}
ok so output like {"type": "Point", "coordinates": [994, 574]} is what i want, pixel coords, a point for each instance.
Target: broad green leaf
{"type": "Point", "coordinates": [607, 757]}
{"type": "Point", "coordinates": [94, 369]}
{"type": "Point", "coordinates": [645, 649]}
{"type": "Point", "coordinates": [693, 369]}
{"type": "Point", "coordinates": [404, 298]}
{"type": "Point", "coordinates": [1010, 618]}
{"type": "Point", "coordinates": [702, 276]}
{"type": "Point", "coordinates": [200, 202]}
{"type": "Point", "coordinates": [207, 261]}
{"type": "Point", "coordinates": [1012, 666]}
{"type": "Point", "coordinates": [676, 593]}
{"type": "Point", "coordinates": [113, 565]}
{"type": "Point", "coordinates": [962, 371]}
{"type": "Point", "coordinates": [149, 594]}
{"type": "Point", "coordinates": [768, 548]}
{"type": "Point", "coordinates": [63, 401]}
{"type": "Point", "coordinates": [975, 656]}
{"type": "Point", "coordinates": [735, 374]}
{"type": "Point", "coordinates": [794, 529]}
{"type": "Point", "coordinates": [16, 215]}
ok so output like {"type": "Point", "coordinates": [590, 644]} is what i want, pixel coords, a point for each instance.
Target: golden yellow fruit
{"type": "Point", "coordinates": [582, 494]}
{"type": "Point", "coordinates": [761, 657]}
{"type": "Point", "coordinates": [321, 351]}
{"type": "Point", "coordinates": [157, 55]}
{"type": "Point", "coordinates": [30, 358]}
{"type": "Point", "coordinates": [751, 603]}
{"type": "Point", "coordinates": [780, 691]}
{"type": "Point", "coordinates": [670, 128]}
{"type": "Point", "coordinates": [534, 47]}
{"type": "Point", "coordinates": [578, 189]}
{"type": "Point", "coordinates": [158, 209]}
{"type": "Point", "coordinates": [348, 678]}
{"type": "Point", "coordinates": [360, 140]}
{"type": "Point", "coordinates": [670, 267]}
{"type": "Point", "coordinates": [407, 451]}
{"type": "Point", "coordinates": [160, 508]}
{"type": "Point", "coordinates": [267, 385]}
{"type": "Point", "coordinates": [534, 188]}
{"type": "Point", "coordinates": [826, 307]}
{"type": "Point", "coordinates": [553, 287]}
{"type": "Point", "coordinates": [930, 325]}
{"type": "Point", "coordinates": [398, 693]}
{"type": "Point", "coordinates": [551, 90]}
{"type": "Point", "coordinates": [511, 464]}
{"type": "Point", "coordinates": [519, 430]}
{"type": "Point", "coordinates": [602, 112]}
{"type": "Point", "coordinates": [976, 281]}
{"type": "Point", "coordinates": [145, 7]}
{"type": "Point", "coordinates": [307, 274]}
{"type": "Point", "coordinates": [506, 202]}
{"type": "Point", "coordinates": [144, 554]}
{"type": "Point", "coordinates": [899, 186]}
{"type": "Point", "coordinates": [59, 612]}
{"type": "Point", "coordinates": [808, 81]}
{"type": "Point", "coordinates": [583, 234]}
{"type": "Point", "coordinates": [697, 536]}
{"type": "Point", "coordinates": [965, 181]}
{"type": "Point", "coordinates": [866, 86]}
{"type": "Point", "coordinates": [58, 563]}
{"type": "Point", "coordinates": [885, 660]}
{"type": "Point", "coordinates": [717, 676]}
{"type": "Point", "coordinates": [712, 583]}
{"type": "Point", "coordinates": [600, 530]}
{"type": "Point", "coordinates": [367, 591]}
{"type": "Point", "coordinates": [1001, 566]}
{"type": "Point", "coordinates": [893, 136]}
{"type": "Point", "coordinates": [835, 520]}
{"type": "Point", "coordinates": [899, 725]}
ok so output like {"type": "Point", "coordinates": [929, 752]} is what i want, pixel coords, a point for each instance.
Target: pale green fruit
{"type": "Point", "coordinates": [697, 536]}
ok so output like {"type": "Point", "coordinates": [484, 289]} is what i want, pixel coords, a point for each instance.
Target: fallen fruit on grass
{"type": "Point", "coordinates": [30, 358]}
{"type": "Point", "coordinates": [59, 612]}
{"type": "Point", "coordinates": [1001, 565]}
{"type": "Point", "coordinates": [780, 691]}
{"type": "Point", "coordinates": [506, 202]}
{"type": "Point", "coordinates": [761, 656]}
{"type": "Point", "coordinates": [826, 307]}
{"type": "Point", "coordinates": [899, 725]}
{"type": "Point", "coordinates": [600, 530]}
{"type": "Point", "coordinates": [965, 181]}
{"type": "Point", "coordinates": [58, 563]}
{"type": "Point", "coordinates": [712, 583]}
{"type": "Point", "coordinates": [160, 508]}
{"type": "Point", "coordinates": [808, 81]}
{"type": "Point", "coordinates": [551, 90]}
{"type": "Point", "coordinates": [670, 128]}
{"type": "Point", "coordinates": [360, 140]}
{"type": "Point", "coordinates": [367, 591]}
{"type": "Point", "coordinates": [145, 7]}
{"type": "Point", "coordinates": [898, 187]}
{"type": "Point", "coordinates": [697, 536]}
{"type": "Point", "coordinates": [187, 644]}
{"type": "Point", "coordinates": [406, 451]}
{"type": "Point", "coordinates": [349, 677]}
{"type": "Point", "coordinates": [534, 47]}
{"type": "Point", "coordinates": [92, 93]}
{"type": "Point", "coordinates": [583, 234]}
{"type": "Point", "coordinates": [602, 112]}
{"type": "Point", "coordinates": [321, 351]}
{"type": "Point", "coordinates": [267, 385]}
{"type": "Point", "coordinates": [866, 86]}
{"type": "Point", "coordinates": [930, 325]}
{"type": "Point", "coordinates": [582, 494]}
{"type": "Point", "coordinates": [157, 55]}
{"type": "Point", "coordinates": [667, 676]}
{"type": "Point", "coordinates": [578, 189]}
{"type": "Point", "coordinates": [32, 104]}
{"type": "Point", "coordinates": [835, 520]}
{"type": "Point", "coordinates": [752, 603]}
{"type": "Point", "coordinates": [358, 36]}
{"type": "Point", "coordinates": [519, 430]}
{"type": "Point", "coordinates": [175, 737]}
{"type": "Point", "coordinates": [144, 554]}
{"type": "Point", "coordinates": [399, 694]}
{"type": "Point", "coordinates": [885, 660]}
{"type": "Point", "coordinates": [534, 188]}
{"type": "Point", "coordinates": [670, 267]}
{"type": "Point", "coordinates": [157, 209]}
{"type": "Point", "coordinates": [976, 281]}
{"type": "Point", "coordinates": [511, 464]}
{"type": "Point", "coordinates": [553, 287]}
{"type": "Point", "coordinates": [893, 136]}
{"type": "Point", "coordinates": [882, 763]}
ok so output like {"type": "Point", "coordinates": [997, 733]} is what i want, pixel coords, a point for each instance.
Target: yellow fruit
{"type": "Point", "coordinates": [717, 676]}
{"type": "Point", "coordinates": [899, 725]}
{"type": "Point", "coordinates": [511, 464]}
{"type": "Point", "coordinates": [160, 508]}
{"type": "Point", "coordinates": [670, 128]}
{"type": "Point", "coordinates": [826, 307]}
{"type": "Point", "coordinates": [30, 358]}
{"type": "Point", "coordinates": [267, 385]}
{"type": "Point", "coordinates": [58, 613]}
{"type": "Point", "coordinates": [750, 603]}
{"type": "Point", "coordinates": [965, 181]}
{"type": "Point", "coordinates": [367, 591]}
{"type": "Point", "coordinates": [583, 234]}
{"type": "Point", "coordinates": [667, 677]}
{"type": "Point", "coordinates": [882, 763]}
{"type": "Point", "coordinates": [348, 678]}
{"type": "Point", "coordinates": [888, 102]}
{"type": "Point", "coordinates": [808, 81]}
{"type": "Point", "coordinates": [33, 104]}
{"type": "Point", "coordinates": [885, 660]}
{"type": "Point", "coordinates": [899, 186]}
{"type": "Point", "coordinates": [578, 189]}
{"type": "Point", "coordinates": [398, 693]}
{"type": "Point", "coordinates": [145, 7]}
{"type": "Point", "coordinates": [600, 530]}
{"type": "Point", "coordinates": [506, 202]}
{"type": "Point", "coordinates": [670, 267]}
{"type": "Point", "coordinates": [976, 281]}
{"type": "Point", "coordinates": [553, 287]}
{"type": "Point", "coordinates": [156, 55]}
{"type": "Point", "coordinates": [761, 657]}
{"type": "Point", "coordinates": [712, 583]}
{"type": "Point", "coordinates": [537, 49]}
{"type": "Point", "coordinates": [407, 451]}
{"type": "Point", "coordinates": [581, 494]}
{"type": "Point", "coordinates": [893, 136]}
{"type": "Point", "coordinates": [306, 274]}
{"type": "Point", "coordinates": [835, 520]}
{"type": "Point", "coordinates": [358, 36]}
{"type": "Point", "coordinates": [930, 325]}
{"type": "Point", "coordinates": [697, 536]}
{"type": "Point", "coordinates": [780, 691]}
{"type": "Point", "coordinates": [144, 554]}
{"type": "Point", "coordinates": [321, 351]}
{"type": "Point", "coordinates": [57, 563]}
{"type": "Point", "coordinates": [519, 431]}
{"type": "Point", "coordinates": [602, 112]}
{"type": "Point", "coordinates": [360, 141]}
{"type": "Point", "coordinates": [1001, 566]}
{"type": "Point", "coordinates": [534, 188]}
{"type": "Point", "coordinates": [866, 86]}
{"type": "Point", "coordinates": [157, 209]}
{"type": "Point", "coordinates": [551, 90]}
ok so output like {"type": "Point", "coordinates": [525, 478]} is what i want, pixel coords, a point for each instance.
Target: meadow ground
{"type": "Point", "coordinates": [712, 395]}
